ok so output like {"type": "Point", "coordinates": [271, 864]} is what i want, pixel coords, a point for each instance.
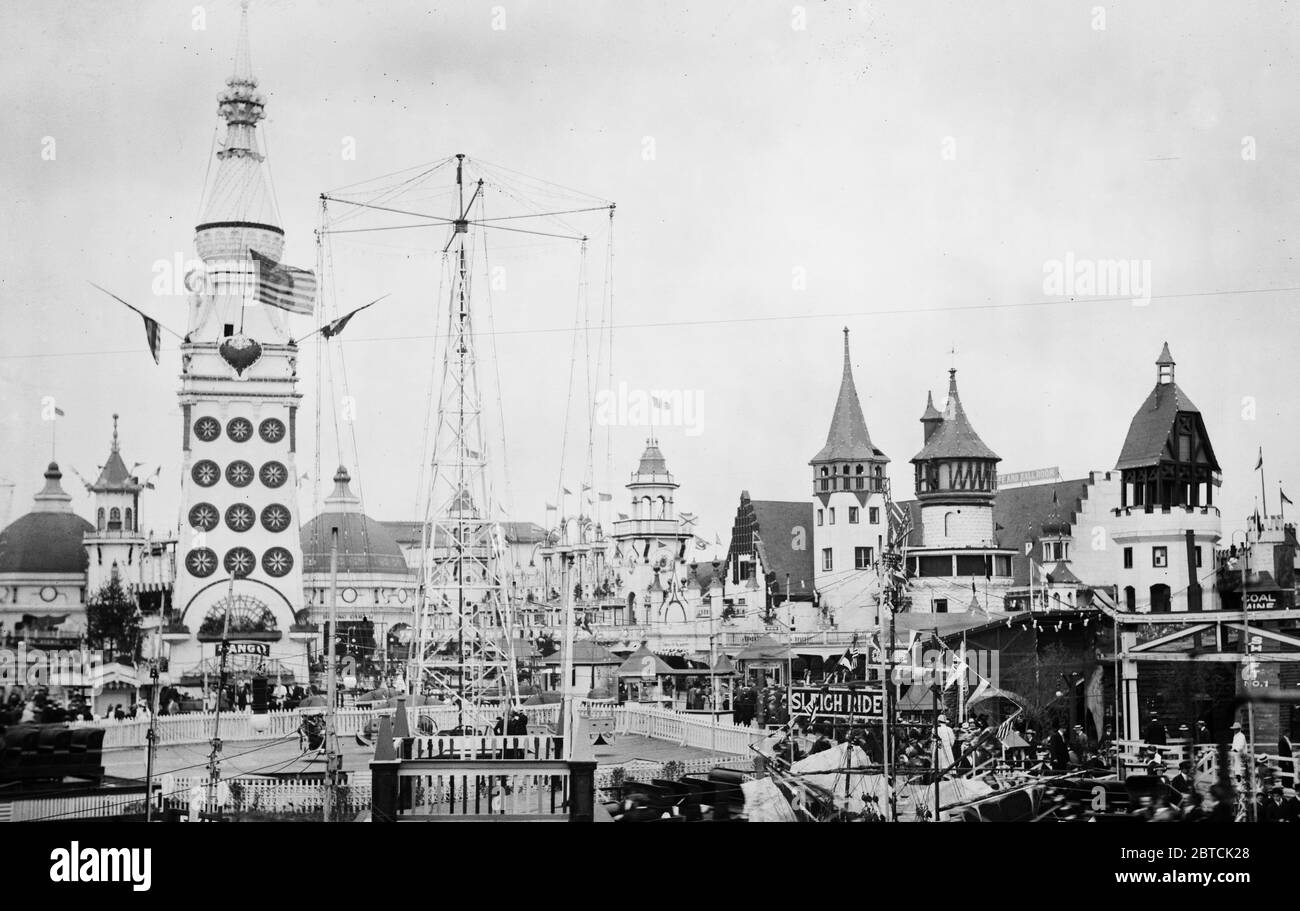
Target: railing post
{"type": "Point", "coordinates": [582, 791]}
{"type": "Point", "coordinates": [383, 789]}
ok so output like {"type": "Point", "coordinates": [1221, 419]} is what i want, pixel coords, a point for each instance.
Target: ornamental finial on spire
{"type": "Point", "coordinates": [115, 433]}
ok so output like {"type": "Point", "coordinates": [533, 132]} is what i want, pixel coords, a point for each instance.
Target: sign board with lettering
{"type": "Point", "coordinates": [262, 649]}
{"type": "Point", "coordinates": [838, 702]}
{"type": "Point", "coordinates": [1037, 476]}
{"type": "Point", "coordinates": [1260, 600]}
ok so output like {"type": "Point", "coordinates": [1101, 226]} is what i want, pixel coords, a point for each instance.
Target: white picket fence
{"type": "Point", "coordinates": [651, 721]}
{"type": "Point", "coordinates": [100, 805]}
{"type": "Point", "coordinates": [197, 727]}
{"type": "Point", "coordinates": [685, 730]}
{"type": "Point", "coordinates": [251, 794]}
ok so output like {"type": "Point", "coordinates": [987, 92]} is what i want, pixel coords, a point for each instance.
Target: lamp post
{"type": "Point", "coordinates": [1245, 662]}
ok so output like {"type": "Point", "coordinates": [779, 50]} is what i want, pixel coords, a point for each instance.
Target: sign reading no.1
{"type": "Point", "coordinates": [838, 702]}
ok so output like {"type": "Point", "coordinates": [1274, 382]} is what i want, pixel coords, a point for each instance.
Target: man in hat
{"type": "Point", "coordinates": [1274, 808]}
{"type": "Point", "coordinates": [1238, 738]}
{"type": "Point", "coordinates": [1203, 734]}
{"type": "Point", "coordinates": [1155, 733]}
{"type": "Point", "coordinates": [1182, 782]}
{"type": "Point", "coordinates": [1058, 747]}
{"type": "Point", "coordinates": [946, 738]}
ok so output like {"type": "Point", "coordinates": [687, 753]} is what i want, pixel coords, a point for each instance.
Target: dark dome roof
{"type": "Point", "coordinates": [48, 539]}
{"type": "Point", "coordinates": [365, 546]}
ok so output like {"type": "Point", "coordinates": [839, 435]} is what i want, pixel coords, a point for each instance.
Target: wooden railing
{"type": "Point", "coordinates": [406, 790]}
{"type": "Point", "coordinates": [686, 730]}
{"type": "Point", "coordinates": [196, 727]}
{"type": "Point", "coordinates": [1134, 757]}
{"type": "Point", "coordinates": [530, 746]}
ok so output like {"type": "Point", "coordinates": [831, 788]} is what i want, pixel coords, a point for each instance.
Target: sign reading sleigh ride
{"type": "Point", "coordinates": [838, 702]}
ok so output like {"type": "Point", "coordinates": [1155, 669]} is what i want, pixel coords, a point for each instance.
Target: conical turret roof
{"type": "Point", "coordinates": [955, 438]}
{"type": "Point", "coordinates": [848, 439]}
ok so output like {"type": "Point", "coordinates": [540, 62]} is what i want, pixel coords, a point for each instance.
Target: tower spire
{"type": "Point", "coordinates": [243, 59]}
{"type": "Point", "coordinates": [848, 438]}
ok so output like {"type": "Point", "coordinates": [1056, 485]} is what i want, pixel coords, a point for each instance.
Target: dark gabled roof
{"type": "Point", "coordinates": [1151, 426]}
{"type": "Point", "coordinates": [955, 438]}
{"type": "Point", "coordinates": [777, 521]}
{"type": "Point", "coordinates": [848, 439]}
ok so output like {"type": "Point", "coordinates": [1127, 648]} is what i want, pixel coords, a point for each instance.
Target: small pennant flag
{"type": "Point", "coordinates": [717, 539]}
{"type": "Point", "coordinates": [622, 516]}
{"type": "Point", "coordinates": [1285, 498]}
{"type": "Point", "coordinates": [567, 492]}
{"type": "Point", "coordinates": [341, 323]}
{"type": "Point", "coordinates": [284, 286]}
{"type": "Point", "coordinates": [701, 544]}
{"type": "Point", "coordinates": [152, 335]}
{"type": "Point", "coordinates": [606, 498]}
{"type": "Point", "coordinates": [658, 402]}
{"type": "Point", "coordinates": [1260, 463]}
{"type": "Point", "coordinates": [586, 487]}
{"type": "Point", "coordinates": [59, 412]}
{"type": "Point", "coordinates": [550, 507]}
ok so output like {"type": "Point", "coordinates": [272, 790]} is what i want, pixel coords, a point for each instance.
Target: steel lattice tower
{"type": "Point", "coordinates": [463, 609]}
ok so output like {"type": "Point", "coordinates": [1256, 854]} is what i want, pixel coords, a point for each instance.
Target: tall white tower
{"type": "Point", "coordinates": [241, 550]}
{"type": "Point", "coordinates": [116, 543]}
{"type": "Point", "coordinates": [849, 521]}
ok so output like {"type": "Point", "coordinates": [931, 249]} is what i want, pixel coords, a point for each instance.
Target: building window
{"type": "Point", "coordinates": [1056, 550]}
{"type": "Point", "coordinates": [101, 518]}
{"type": "Point", "coordinates": [853, 517]}
{"type": "Point", "coordinates": [114, 519]}
{"type": "Point", "coordinates": [827, 563]}
{"type": "Point", "coordinates": [1128, 558]}
{"type": "Point", "coordinates": [941, 605]}
{"type": "Point", "coordinates": [832, 516]}
{"type": "Point", "coordinates": [1130, 596]}
{"type": "Point", "coordinates": [873, 515]}
{"type": "Point", "coordinates": [1159, 556]}
{"type": "Point", "coordinates": [1198, 558]}
{"type": "Point", "coordinates": [862, 558]}
{"type": "Point", "coordinates": [819, 517]}
{"type": "Point", "coordinates": [131, 527]}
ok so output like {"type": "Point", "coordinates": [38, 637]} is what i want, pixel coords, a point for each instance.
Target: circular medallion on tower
{"type": "Point", "coordinates": [275, 517]}
{"type": "Point", "coordinates": [205, 472]}
{"type": "Point", "coordinates": [240, 517]}
{"type": "Point", "coordinates": [201, 562]}
{"type": "Point", "coordinates": [274, 474]}
{"type": "Point", "coordinates": [207, 429]}
{"type": "Point", "coordinates": [240, 561]}
{"type": "Point", "coordinates": [204, 516]}
{"type": "Point", "coordinates": [277, 562]}
{"type": "Point", "coordinates": [271, 430]}
{"type": "Point", "coordinates": [240, 429]}
{"type": "Point", "coordinates": [239, 473]}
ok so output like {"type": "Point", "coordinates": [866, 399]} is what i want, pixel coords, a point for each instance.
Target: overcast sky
{"type": "Point", "coordinates": [916, 164]}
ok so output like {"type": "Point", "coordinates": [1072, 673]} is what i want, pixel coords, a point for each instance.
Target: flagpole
{"type": "Point", "coordinates": [1263, 497]}
{"type": "Point", "coordinates": [1281, 502]}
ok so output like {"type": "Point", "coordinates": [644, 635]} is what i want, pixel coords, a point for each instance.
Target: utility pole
{"type": "Point", "coordinates": [330, 674]}
{"type": "Point", "coordinates": [566, 667]}
{"type": "Point", "coordinates": [1250, 702]}
{"type": "Point", "coordinates": [152, 735]}
{"type": "Point", "coordinates": [214, 758]}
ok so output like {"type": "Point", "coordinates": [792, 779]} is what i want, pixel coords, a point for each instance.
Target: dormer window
{"type": "Point", "coordinates": [1166, 374]}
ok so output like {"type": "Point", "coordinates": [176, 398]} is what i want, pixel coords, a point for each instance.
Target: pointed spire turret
{"type": "Point", "coordinates": [954, 437]}
{"type": "Point", "coordinates": [1165, 367]}
{"type": "Point", "coordinates": [115, 477]}
{"type": "Point", "coordinates": [848, 438]}
{"type": "Point", "coordinates": [239, 210]}
{"type": "Point", "coordinates": [931, 418]}
{"type": "Point", "coordinates": [53, 498]}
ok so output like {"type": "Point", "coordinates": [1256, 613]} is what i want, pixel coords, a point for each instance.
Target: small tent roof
{"type": "Point", "coordinates": [632, 666]}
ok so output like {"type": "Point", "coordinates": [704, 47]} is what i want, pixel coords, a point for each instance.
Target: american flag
{"type": "Point", "coordinates": [849, 660]}
{"type": "Point", "coordinates": [284, 286]}
{"type": "Point", "coordinates": [1004, 729]}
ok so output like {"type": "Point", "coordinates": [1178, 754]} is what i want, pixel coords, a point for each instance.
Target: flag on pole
{"type": "Point", "coordinates": [701, 544]}
{"type": "Point", "coordinates": [849, 660]}
{"type": "Point", "coordinates": [59, 412]}
{"type": "Point", "coordinates": [622, 516]}
{"type": "Point", "coordinates": [1004, 729]}
{"type": "Point", "coordinates": [152, 335]}
{"type": "Point", "coordinates": [1260, 463]}
{"type": "Point", "coordinates": [284, 286]}
{"type": "Point", "coordinates": [1285, 498]}
{"type": "Point", "coordinates": [717, 539]}
{"type": "Point", "coordinates": [567, 492]}
{"type": "Point", "coordinates": [605, 497]}
{"type": "Point", "coordinates": [341, 323]}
